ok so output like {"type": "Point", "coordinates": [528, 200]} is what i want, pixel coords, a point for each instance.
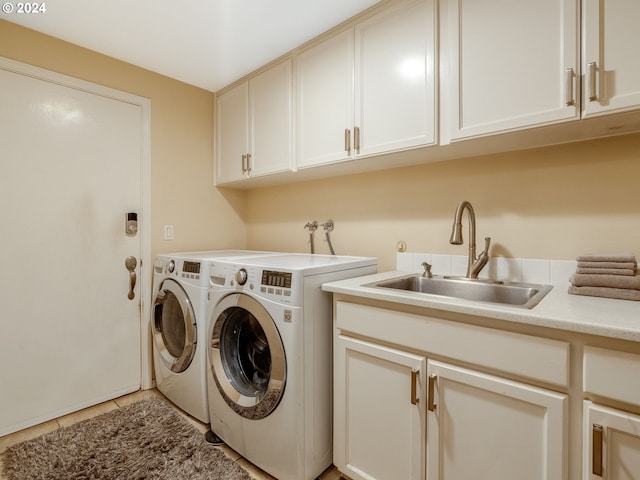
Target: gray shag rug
{"type": "Point", "coordinates": [146, 440]}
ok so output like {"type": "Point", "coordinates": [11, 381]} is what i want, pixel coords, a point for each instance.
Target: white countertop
{"type": "Point", "coordinates": [591, 315]}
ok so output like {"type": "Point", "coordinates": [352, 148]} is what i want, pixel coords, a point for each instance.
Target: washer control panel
{"type": "Point", "coordinates": [273, 278]}
{"type": "Point", "coordinates": [277, 285]}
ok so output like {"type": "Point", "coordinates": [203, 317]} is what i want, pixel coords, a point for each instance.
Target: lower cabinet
{"type": "Point", "coordinates": [484, 427]}
{"type": "Point", "coordinates": [611, 436]}
{"type": "Point", "coordinates": [398, 415]}
{"type": "Point", "coordinates": [611, 444]}
{"type": "Point", "coordinates": [417, 396]}
{"type": "Point", "coordinates": [379, 411]}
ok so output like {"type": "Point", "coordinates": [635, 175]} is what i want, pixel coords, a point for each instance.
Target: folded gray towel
{"type": "Point", "coordinates": [619, 293]}
{"type": "Point", "coordinates": [629, 272]}
{"type": "Point", "coordinates": [607, 257]}
{"type": "Point", "coordinates": [614, 265]}
{"type": "Point", "coordinates": [610, 281]}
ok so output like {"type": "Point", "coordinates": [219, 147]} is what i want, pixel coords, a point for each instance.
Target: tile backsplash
{"type": "Point", "coordinates": [526, 270]}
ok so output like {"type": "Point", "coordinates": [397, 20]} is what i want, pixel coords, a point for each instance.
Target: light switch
{"type": "Point", "coordinates": [168, 232]}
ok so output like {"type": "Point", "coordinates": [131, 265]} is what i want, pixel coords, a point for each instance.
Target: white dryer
{"type": "Point", "coordinates": [269, 379]}
{"type": "Point", "coordinates": [179, 326]}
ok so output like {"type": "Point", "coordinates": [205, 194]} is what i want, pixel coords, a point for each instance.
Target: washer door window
{"type": "Point", "coordinates": [247, 356]}
{"type": "Point", "coordinates": [174, 327]}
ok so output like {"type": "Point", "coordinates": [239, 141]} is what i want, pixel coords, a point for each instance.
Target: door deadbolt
{"type": "Point", "coordinates": [131, 224]}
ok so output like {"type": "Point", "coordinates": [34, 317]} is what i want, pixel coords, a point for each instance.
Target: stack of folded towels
{"type": "Point", "coordinates": [611, 276]}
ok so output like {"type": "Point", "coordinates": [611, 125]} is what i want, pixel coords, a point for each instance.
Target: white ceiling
{"type": "Point", "coordinates": [207, 43]}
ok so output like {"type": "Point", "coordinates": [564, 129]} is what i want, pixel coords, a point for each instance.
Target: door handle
{"type": "Point", "coordinates": [415, 374]}
{"type": "Point", "coordinates": [431, 402]}
{"type": "Point", "coordinates": [568, 87]}
{"type": "Point", "coordinates": [131, 264]}
{"type": "Point", "coordinates": [347, 141]}
{"type": "Point", "coordinates": [591, 79]}
{"type": "Point", "coordinates": [597, 432]}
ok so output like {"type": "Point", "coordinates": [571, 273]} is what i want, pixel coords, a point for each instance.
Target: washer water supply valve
{"type": "Point", "coordinates": [328, 227]}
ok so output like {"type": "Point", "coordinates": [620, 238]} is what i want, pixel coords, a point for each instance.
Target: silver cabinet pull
{"type": "Point", "coordinates": [248, 163]}
{"type": "Point", "coordinates": [568, 87]}
{"type": "Point", "coordinates": [356, 139]}
{"type": "Point", "coordinates": [596, 449]}
{"type": "Point", "coordinates": [131, 263]}
{"type": "Point", "coordinates": [244, 161]}
{"type": "Point", "coordinates": [431, 401]}
{"type": "Point", "coordinates": [591, 81]}
{"type": "Point", "coordinates": [414, 386]}
{"type": "Point", "coordinates": [347, 141]}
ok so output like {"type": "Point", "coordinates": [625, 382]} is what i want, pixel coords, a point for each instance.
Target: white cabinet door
{"type": "Point", "coordinates": [271, 121]}
{"type": "Point", "coordinates": [611, 444]}
{"type": "Point", "coordinates": [610, 57]}
{"type": "Point", "coordinates": [485, 428]}
{"type": "Point", "coordinates": [378, 411]}
{"type": "Point", "coordinates": [254, 126]}
{"type": "Point", "coordinates": [369, 89]}
{"type": "Point", "coordinates": [232, 134]}
{"type": "Point", "coordinates": [324, 101]}
{"type": "Point", "coordinates": [507, 65]}
{"type": "Point", "coordinates": [394, 79]}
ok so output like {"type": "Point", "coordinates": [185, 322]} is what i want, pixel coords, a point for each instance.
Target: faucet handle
{"type": "Point", "coordinates": [487, 242]}
{"type": "Point", "coordinates": [427, 270]}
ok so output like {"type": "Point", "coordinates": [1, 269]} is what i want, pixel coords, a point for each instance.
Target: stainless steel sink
{"type": "Point", "coordinates": [524, 295]}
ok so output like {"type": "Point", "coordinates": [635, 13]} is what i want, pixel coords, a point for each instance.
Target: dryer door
{"type": "Point", "coordinates": [247, 357]}
{"type": "Point", "coordinates": [174, 327]}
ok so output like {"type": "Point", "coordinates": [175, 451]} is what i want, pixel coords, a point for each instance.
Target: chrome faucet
{"type": "Point", "coordinates": [474, 265]}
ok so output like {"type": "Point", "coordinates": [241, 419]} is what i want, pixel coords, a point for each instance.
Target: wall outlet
{"type": "Point", "coordinates": [168, 232]}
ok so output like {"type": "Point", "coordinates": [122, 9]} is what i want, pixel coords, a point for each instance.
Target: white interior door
{"type": "Point", "coordinates": [72, 164]}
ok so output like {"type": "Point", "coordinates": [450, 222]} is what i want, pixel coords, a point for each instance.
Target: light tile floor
{"type": "Point", "coordinates": [67, 420]}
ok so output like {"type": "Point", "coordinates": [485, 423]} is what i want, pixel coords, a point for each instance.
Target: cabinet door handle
{"type": "Point", "coordinates": [591, 80]}
{"type": "Point", "coordinates": [414, 386]}
{"type": "Point", "coordinates": [248, 163]}
{"type": "Point", "coordinates": [244, 161]}
{"type": "Point", "coordinates": [596, 449]}
{"type": "Point", "coordinates": [431, 402]}
{"type": "Point", "coordinates": [347, 141]}
{"type": "Point", "coordinates": [568, 87]}
{"type": "Point", "coordinates": [356, 139]}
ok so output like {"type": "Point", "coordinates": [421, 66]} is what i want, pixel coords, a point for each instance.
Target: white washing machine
{"type": "Point", "coordinates": [179, 326]}
{"type": "Point", "coordinates": [269, 379]}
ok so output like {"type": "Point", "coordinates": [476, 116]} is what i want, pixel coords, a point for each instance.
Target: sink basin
{"type": "Point", "coordinates": [524, 295]}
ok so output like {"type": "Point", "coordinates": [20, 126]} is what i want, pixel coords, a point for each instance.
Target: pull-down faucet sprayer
{"type": "Point", "coordinates": [474, 265]}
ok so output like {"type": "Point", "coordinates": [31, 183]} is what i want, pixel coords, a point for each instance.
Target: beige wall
{"type": "Point", "coordinates": [555, 202]}
{"type": "Point", "coordinates": [182, 192]}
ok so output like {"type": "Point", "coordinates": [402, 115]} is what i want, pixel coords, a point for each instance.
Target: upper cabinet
{"type": "Point", "coordinates": [232, 134]}
{"type": "Point", "coordinates": [324, 101]}
{"type": "Point", "coordinates": [369, 89]}
{"type": "Point", "coordinates": [611, 69]}
{"type": "Point", "coordinates": [415, 73]}
{"type": "Point", "coordinates": [395, 79]}
{"type": "Point", "coordinates": [254, 126]}
{"type": "Point", "coordinates": [507, 65]}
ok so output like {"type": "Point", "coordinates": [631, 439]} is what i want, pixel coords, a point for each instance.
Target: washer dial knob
{"type": "Point", "coordinates": [171, 266]}
{"type": "Point", "coordinates": [241, 276]}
